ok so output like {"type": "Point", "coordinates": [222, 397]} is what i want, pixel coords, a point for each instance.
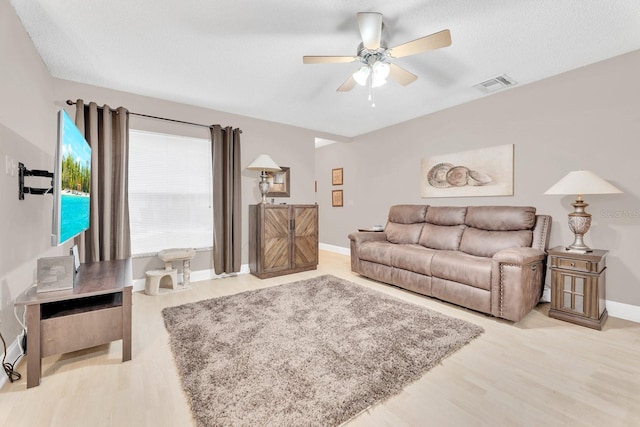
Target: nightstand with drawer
{"type": "Point", "coordinates": [578, 286]}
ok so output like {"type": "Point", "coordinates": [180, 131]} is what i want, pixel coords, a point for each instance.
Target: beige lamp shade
{"type": "Point", "coordinates": [579, 183]}
{"type": "Point", "coordinates": [264, 163]}
{"type": "Point", "coordinates": [582, 182]}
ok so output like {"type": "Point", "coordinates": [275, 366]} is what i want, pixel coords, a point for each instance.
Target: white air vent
{"type": "Point", "coordinates": [495, 84]}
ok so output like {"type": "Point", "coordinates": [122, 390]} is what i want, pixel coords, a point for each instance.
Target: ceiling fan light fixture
{"type": "Point", "coordinates": [362, 75]}
{"type": "Point", "coordinates": [380, 73]}
{"type": "Point", "coordinates": [376, 56]}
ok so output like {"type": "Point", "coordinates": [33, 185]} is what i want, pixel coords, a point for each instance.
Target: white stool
{"type": "Point", "coordinates": [178, 254]}
{"type": "Point", "coordinates": [157, 278]}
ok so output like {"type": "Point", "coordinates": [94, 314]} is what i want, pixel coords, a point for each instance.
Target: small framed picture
{"type": "Point", "coordinates": [336, 176]}
{"type": "Point", "coordinates": [336, 198]}
{"type": "Point", "coordinates": [279, 182]}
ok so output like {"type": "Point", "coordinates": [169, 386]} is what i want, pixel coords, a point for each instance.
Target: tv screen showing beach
{"type": "Point", "coordinates": [75, 180]}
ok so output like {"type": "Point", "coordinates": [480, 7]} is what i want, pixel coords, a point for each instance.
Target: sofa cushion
{"type": "Point", "coordinates": [445, 237]}
{"type": "Point", "coordinates": [379, 252]}
{"type": "Point", "coordinates": [446, 215]}
{"type": "Point", "coordinates": [414, 258]}
{"type": "Point", "coordinates": [463, 268]}
{"type": "Point", "coordinates": [501, 218]}
{"type": "Point", "coordinates": [486, 243]}
{"type": "Point", "coordinates": [403, 233]}
{"type": "Point", "coordinates": [457, 293]}
{"type": "Point", "coordinates": [407, 214]}
{"type": "Point", "coordinates": [376, 271]}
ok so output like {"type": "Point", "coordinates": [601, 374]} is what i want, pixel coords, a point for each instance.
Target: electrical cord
{"type": "Point", "coordinates": [22, 338]}
{"type": "Point", "coordinates": [8, 367]}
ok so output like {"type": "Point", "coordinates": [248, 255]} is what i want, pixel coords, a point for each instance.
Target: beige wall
{"type": "Point", "coordinates": [31, 98]}
{"type": "Point", "coordinates": [584, 119]}
{"type": "Point", "coordinates": [27, 135]}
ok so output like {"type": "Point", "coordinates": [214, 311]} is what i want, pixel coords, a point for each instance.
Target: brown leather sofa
{"type": "Point", "coordinates": [486, 258]}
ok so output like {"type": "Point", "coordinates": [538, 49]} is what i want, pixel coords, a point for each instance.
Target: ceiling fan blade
{"type": "Point", "coordinates": [327, 59]}
{"type": "Point", "coordinates": [370, 24]}
{"type": "Point", "coordinates": [401, 75]}
{"type": "Point", "coordinates": [347, 85]}
{"type": "Point", "coordinates": [423, 44]}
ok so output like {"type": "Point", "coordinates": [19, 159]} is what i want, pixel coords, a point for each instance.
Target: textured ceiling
{"type": "Point", "coordinates": [245, 56]}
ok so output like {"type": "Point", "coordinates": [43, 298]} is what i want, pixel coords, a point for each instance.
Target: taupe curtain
{"type": "Point", "coordinates": [227, 215]}
{"type": "Point", "coordinates": [107, 131]}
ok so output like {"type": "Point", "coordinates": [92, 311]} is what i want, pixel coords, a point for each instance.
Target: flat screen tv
{"type": "Point", "coordinates": [71, 182]}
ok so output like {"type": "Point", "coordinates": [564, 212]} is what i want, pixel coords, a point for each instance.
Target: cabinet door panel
{"type": "Point", "coordinates": [306, 236]}
{"type": "Point", "coordinates": [306, 221]}
{"type": "Point", "coordinates": [276, 239]}
{"type": "Point", "coordinates": [306, 251]}
{"type": "Point", "coordinates": [276, 253]}
{"type": "Point", "coordinates": [276, 223]}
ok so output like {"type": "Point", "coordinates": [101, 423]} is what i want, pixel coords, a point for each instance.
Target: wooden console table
{"type": "Point", "coordinates": [96, 311]}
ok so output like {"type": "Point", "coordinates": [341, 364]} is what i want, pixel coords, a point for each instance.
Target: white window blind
{"type": "Point", "coordinates": [169, 192]}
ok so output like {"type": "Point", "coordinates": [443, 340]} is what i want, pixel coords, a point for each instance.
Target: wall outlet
{"type": "Point", "coordinates": [10, 166]}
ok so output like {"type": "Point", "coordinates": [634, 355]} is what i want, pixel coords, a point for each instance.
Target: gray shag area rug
{"type": "Point", "coordinates": [315, 352]}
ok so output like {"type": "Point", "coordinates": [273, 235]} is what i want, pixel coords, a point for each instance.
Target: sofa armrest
{"type": "Point", "coordinates": [519, 256]}
{"type": "Point", "coordinates": [358, 238]}
{"type": "Point", "coordinates": [367, 236]}
{"type": "Point", "coordinates": [517, 277]}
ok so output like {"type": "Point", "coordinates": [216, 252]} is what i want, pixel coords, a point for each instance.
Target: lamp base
{"type": "Point", "coordinates": [264, 187]}
{"type": "Point", "coordinates": [579, 223]}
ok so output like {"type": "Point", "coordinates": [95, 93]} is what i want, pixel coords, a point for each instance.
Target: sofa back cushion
{"type": "Point", "coordinates": [403, 233]}
{"type": "Point", "coordinates": [486, 243]}
{"type": "Point", "coordinates": [405, 223]}
{"type": "Point", "coordinates": [407, 214]}
{"type": "Point", "coordinates": [501, 218]}
{"type": "Point", "coordinates": [446, 215]}
{"type": "Point", "coordinates": [494, 228]}
{"type": "Point", "coordinates": [445, 237]}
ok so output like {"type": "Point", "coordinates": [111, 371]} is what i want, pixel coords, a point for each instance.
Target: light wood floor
{"type": "Point", "coordinates": [537, 372]}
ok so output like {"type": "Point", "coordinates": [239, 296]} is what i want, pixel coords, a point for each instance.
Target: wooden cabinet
{"type": "Point", "coordinates": [283, 239]}
{"type": "Point", "coordinates": [578, 287]}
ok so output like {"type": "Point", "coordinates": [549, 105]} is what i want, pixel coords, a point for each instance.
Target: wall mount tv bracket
{"type": "Point", "coordinates": [23, 172]}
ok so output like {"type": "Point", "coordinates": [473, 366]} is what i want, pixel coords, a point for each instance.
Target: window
{"type": "Point", "coordinates": [170, 203]}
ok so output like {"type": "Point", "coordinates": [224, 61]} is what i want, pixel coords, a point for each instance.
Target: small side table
{"type": "Point", "coordinates": [578, 287]}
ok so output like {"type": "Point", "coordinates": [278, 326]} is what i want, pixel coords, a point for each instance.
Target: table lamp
{"type": "Point", "coordinates": [265, 164]}
{"type": "Point", "coordinates": [581, 182]}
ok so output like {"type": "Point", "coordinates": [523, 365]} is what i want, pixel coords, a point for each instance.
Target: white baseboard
{"type": "Point", "coordinates": [623, 311]}
{"type": "Point", "coordinates": [615, 309]}
{"type": "Point", "coordinates": [196, 276]}
{"type": "Point", "coordinates": [336, 249]}
{"type": "Point", "coordinates": [14, 353]}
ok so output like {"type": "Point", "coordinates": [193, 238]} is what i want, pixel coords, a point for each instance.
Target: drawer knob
{"type": "Point", "coordinates": [573, 264]}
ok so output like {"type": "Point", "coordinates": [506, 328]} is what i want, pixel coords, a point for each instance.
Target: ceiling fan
{"type": "Point", "coordinates": [376, 56]}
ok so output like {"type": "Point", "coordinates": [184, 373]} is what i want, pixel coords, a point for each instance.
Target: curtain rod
{"type": "Point", "coordinates": [70, 102]}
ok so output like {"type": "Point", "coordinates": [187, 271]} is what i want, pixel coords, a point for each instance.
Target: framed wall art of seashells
{"type": "Point", "coordinates": [482, 172]}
